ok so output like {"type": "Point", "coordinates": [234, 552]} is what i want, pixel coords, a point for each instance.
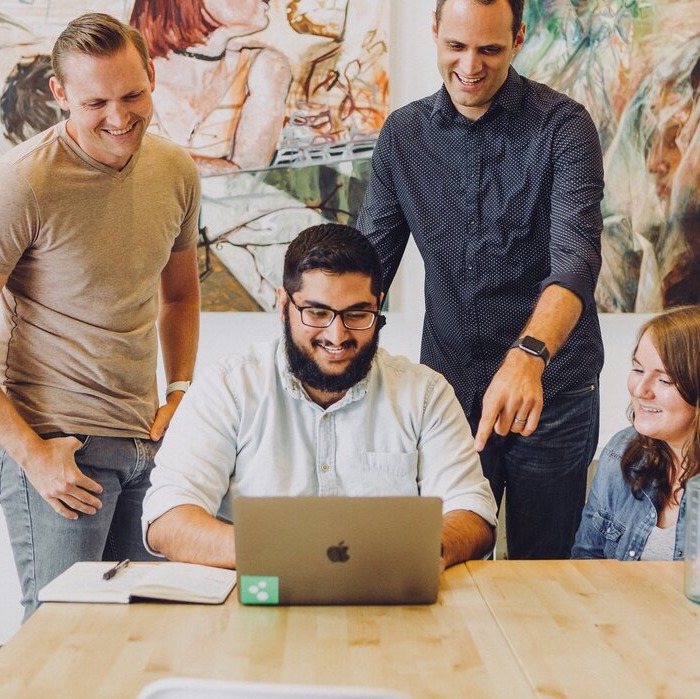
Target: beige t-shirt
{"type": "Point", "coordinates": [84, 246]}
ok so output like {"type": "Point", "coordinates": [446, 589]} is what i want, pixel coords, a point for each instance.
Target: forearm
{"type": "Point", "coordinates": [465, 536]}
{"type": "Point", "coordinates": [178, 328]}
{"type": "Point", "coordinates": [178, 318]}
{"type": "Point", "coordinates": [17, 438]}
{"type": "Point", "coordinates": [190, 534]}
{"type": "Point", "coordinates": [554, 317]}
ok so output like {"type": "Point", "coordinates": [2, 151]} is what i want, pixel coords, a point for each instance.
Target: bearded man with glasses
{"type": "Point", "coordinates": [321, 411]}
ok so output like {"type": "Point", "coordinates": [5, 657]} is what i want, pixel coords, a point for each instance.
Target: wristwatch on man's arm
{"type": "Point", "coordinates": [533, 346]}
{"type": "Point", "coordinates": [177, 386]}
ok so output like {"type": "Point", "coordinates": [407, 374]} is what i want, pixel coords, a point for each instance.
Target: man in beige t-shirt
{"type": "Point", "coordinates": [97, 246]}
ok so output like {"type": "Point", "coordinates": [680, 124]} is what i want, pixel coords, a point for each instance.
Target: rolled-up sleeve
{"type": "Point", "coordinates": [576, 219]}
{"type": "Point", "coordinates": [449, 466]}
{"type": "Point", "coordinates": [195, 464]}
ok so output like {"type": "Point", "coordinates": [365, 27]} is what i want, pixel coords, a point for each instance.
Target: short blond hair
{"type": "Point", "coordinates": [95, 34]}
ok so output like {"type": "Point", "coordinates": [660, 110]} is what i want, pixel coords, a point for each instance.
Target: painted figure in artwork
{"type": "Point", "coordinates": [673, 159]}
{"type": "Point", "coordinates": [340, 92]}
{"type": "Point", "coordinates": [651, 247]}
{"type": "Point", "coordinates": [219, 95]}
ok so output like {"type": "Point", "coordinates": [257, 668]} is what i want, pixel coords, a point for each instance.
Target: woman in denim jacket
{"type": "Point", "coordinates": [636, 506]}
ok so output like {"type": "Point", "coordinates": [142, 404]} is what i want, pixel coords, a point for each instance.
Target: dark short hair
{"type": "Point", "coordinates": [516, 6]}
{"type": "Point", "coordinates": [334, 248]}
{"type": "Point", "coordinates": [95, 34]}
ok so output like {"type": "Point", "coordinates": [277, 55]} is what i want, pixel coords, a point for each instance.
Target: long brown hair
{"type": "Point", "coordinates": [168, 25]}
{"type": "Point", "coordinates": [649, 462]}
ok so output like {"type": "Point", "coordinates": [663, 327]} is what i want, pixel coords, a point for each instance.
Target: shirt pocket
{"type": "Point", "coordinates": [389, 474]}
{"type": "Point", "coordinates": [610, 529]}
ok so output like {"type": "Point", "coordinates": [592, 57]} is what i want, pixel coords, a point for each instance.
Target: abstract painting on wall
{"type": "Point", "coordinates": [279, 102]}
{"type": "Point", "coordinates": [635, 64]}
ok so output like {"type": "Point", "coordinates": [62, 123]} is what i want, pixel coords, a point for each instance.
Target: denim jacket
{"type": "Point", "coordinates": [614, 523]}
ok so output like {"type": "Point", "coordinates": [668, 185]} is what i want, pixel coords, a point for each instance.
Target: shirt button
{"type": "Point", "coordinates": [631, 554]}
{"type": "Point", "coordinates": [325, 468]}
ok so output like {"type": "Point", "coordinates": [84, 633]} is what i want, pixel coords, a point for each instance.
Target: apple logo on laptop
{"type": "Point", "coordinates": [338, 553]}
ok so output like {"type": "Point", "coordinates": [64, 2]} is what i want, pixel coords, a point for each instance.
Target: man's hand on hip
{"type": "Point", "coordinates": [56, 477]}
{"type": "Point", "coordinates": [165, 415]}
{"type": "Point", "coordinates": [513, 401]}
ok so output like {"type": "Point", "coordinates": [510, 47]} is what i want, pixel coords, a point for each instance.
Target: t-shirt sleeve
{"type": "Point", "coordinates": [189, 230]}
{"type": "Point", "coordinates": [20, 218]}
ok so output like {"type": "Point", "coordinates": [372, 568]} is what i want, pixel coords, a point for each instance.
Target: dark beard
{"type": "Point", "coordinates": [304, 367]}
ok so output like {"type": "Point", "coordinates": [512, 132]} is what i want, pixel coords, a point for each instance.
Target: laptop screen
{"type": "Point", "coordinates": [338, 550]}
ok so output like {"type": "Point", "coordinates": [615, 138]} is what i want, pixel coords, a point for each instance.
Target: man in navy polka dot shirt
{"type": "Point", "coordinates": [499, 180]}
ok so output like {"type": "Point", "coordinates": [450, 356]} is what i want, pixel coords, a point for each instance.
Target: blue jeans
{"type": "Point", "coordinates": [44, 543]}
{"type": "Point", "coordinates": [544, 475]}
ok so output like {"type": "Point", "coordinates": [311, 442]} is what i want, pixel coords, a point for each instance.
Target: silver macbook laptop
{"type": "Point", "coordinates": [338, 550]}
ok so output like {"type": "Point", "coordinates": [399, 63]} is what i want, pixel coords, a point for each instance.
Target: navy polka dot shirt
{"type": "Point", "coordinates": [499, 208]}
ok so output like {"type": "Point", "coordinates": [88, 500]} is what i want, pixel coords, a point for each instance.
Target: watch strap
{"type": "Point", "coordinates": [177, 386]}
{"type": "Point", "coordinates": [522, 344]}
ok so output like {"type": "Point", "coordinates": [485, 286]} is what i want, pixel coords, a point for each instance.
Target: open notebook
{"type": "Point", "coordinates": [338, 550]}
{"type": "Point", "coordinates": [180, 582]}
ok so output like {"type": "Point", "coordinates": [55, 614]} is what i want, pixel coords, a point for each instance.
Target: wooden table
{"type": "Point", "coordinates": [597, 628]}
{"type": "Point", "coordinates": [500, 629]}
{"type": "Point", "coordinates": [441, 650]}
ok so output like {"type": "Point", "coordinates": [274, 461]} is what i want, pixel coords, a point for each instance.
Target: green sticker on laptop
{"type": "Point", "coordinates": [259, 589]}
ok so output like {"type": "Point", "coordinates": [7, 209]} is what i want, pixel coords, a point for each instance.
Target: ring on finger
{"type": "Point", "coordinates": [519, 421]}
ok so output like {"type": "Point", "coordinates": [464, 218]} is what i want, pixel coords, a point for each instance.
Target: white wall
{"type": "Point", "coordinates": [413, 75]}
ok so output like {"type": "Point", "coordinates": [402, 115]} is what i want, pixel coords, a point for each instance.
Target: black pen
{"type": "Point", "coordinates": [115, 569]}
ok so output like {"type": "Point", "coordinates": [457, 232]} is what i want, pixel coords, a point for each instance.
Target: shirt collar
{"type": "Point", "coordinates": [508, 97]}
{"type": "Point", "coordinates": [294, 387]}
{"type": "Point", "coordinates": [511, 94]}
{"type": "Point", "coordinates": [73, 145]}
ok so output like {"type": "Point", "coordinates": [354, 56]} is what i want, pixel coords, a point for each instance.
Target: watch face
{"type": "Point", "coordinates": [533, 345]}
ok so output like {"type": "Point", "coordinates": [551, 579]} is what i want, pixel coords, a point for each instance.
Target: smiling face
{"type": "Point", "coordinates": [475, 47]}
{"type": "Point", "coordinates": [109, 100]}
{"type": "Point", "coordinates": [246, 16]}
{"type": "Point", "coordinates": [328, 361]}
{"type": "Point", "coordinates": [659, 410]}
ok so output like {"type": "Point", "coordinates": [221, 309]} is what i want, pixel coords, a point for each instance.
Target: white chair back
{"type": "Point", "coordinates": [190, 688]}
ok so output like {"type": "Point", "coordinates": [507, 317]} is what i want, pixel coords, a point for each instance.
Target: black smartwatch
{"type": "Point", "coordinates": [533, 346]}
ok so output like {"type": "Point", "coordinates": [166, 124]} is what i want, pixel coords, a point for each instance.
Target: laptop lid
{"type": "Point", "coordinates": [338, 550]}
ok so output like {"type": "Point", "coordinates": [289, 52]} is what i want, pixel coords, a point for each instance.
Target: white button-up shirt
{"type": "Point", "coordinates": [248, 427]}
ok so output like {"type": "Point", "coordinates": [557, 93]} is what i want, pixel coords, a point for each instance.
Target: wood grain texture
{"type": "Point", "coordinates": [597, 628]}
{"type": "Point", "coordinates": [450, 649]}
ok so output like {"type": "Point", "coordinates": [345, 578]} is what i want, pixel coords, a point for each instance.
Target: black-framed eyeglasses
{"type": "Point", "coordinates": [319, 317]}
